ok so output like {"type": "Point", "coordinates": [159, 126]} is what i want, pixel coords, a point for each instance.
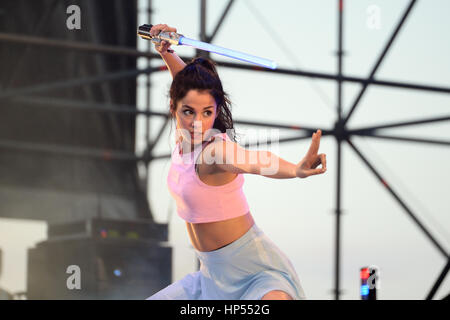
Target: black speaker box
{"type": "Point", "coordinates": [110, 268]}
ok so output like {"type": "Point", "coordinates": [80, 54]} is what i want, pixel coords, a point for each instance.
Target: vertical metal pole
{"type": "Point", "coordinates": [148, 117]}
{"type": "Point", "coordinates": [339, 155]}
{"type": "Point", "coordinates": [203, 37]}
{"type": "Point", "coordinates": [203, 20]}
{"type": "Point", "coordinates": [338, 223]}
{"type": "Point", "coordinates": [147, 122]}
{"type": "Point", "coordinates": [340, 13]}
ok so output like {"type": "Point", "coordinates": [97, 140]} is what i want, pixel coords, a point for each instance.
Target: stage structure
{"type": "Point", "coordinates": [36, 96]}
{"type": "Point", "coordinates": [85, 156]}
{"type": "Point", "coordinates": [68, 150]}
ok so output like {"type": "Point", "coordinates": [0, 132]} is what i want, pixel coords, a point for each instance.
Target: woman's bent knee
{"type": "Point", "coordinates": [276, 295]}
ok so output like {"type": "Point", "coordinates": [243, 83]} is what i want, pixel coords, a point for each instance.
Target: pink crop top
{"type": "Point", "coordinates": [198, 202]}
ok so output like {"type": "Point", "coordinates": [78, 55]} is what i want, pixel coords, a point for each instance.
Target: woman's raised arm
{"type": "Point", "coordinates": [173, 62]}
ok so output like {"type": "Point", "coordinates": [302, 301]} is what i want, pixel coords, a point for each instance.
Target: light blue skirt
{"type": "Point", "coordinates": [245, 269]}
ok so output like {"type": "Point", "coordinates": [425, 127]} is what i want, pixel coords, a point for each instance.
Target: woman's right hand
{"type": "Point", "coordinates": [164, 45]}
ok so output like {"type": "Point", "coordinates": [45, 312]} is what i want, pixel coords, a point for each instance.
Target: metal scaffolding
{"type": "Point", "coordinates": [338, 130]}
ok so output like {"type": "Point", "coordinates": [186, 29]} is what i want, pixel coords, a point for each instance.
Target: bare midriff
{"type": "Point", "coordinates": [211, 236]}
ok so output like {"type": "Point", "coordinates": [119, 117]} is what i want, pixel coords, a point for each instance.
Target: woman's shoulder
{"type": "Point", "coordinates": [218, 146]}
{"type": "Point", "coordinates": [207, 165]}
{"type": "Point", "coordinates": [218, 138]}
{"type": "Point", "coordinates": [210, 144]}
{"type": "Point", "coordinates": [222, 135]}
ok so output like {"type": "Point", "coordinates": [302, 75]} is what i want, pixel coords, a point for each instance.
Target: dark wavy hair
{"type": "Point", "coordinates": [201, 74]}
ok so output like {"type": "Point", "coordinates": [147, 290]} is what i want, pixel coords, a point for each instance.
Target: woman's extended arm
{"type": "Point", "coordinates": [173, 62]}
{"type": "Point", "coordinates": [230, 157]}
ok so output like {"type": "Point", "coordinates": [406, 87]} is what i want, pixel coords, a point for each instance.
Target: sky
{"type": "Point", "coordinates": [298, 214]}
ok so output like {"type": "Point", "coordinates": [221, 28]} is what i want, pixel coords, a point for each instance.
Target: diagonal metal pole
{"type": "Point", "coordinates": [380, 59]}
{"type": "Point", "coordinates": [400, 201]}
{"type": "Point", "coordinates": [292, 56]}
{"type": "Point", "coordinates": [439, 280]}
{"type": "Point", "coordinates": [219, 23]}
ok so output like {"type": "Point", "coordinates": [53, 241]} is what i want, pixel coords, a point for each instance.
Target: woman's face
{"type": "Point", "coordinates": [195, 114]}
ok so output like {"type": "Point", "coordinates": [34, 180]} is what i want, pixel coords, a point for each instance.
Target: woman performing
{"type": "Point", "coordinates": [237, 259]}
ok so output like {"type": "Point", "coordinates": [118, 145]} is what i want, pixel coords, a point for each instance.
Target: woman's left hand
{"type": "Point", "coordinates": [307, 166]}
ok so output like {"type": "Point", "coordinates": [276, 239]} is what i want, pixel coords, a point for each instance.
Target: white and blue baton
{"type": "Point", "coordinates": [178, 39]}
